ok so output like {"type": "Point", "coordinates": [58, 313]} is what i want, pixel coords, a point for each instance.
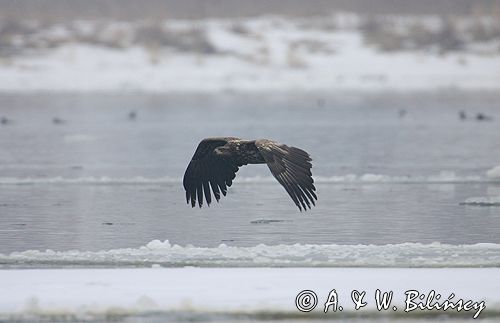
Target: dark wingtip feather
{"type": "Point", "coordinates": [208, 173]}
{"type": "Point", "coordinates": [291, 166]}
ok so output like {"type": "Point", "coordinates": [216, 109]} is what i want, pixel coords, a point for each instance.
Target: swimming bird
{"type": "Point", "coordinates": [216, 161]}
{"type": "Point", "coordinates": [58, 121]}
{"type": "Point", "coordinates": [483, 117]}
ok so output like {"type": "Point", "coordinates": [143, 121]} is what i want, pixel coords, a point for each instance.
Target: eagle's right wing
{"type": "Point", "coordinates": [208, 169]}
{"type": "Point", "coordinates": [292, 168]}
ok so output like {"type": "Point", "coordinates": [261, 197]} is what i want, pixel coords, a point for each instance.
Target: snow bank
{"type": "Point", "coordinates": [303, 255]}
{"type": "Point", "coordinates": [224, 293]}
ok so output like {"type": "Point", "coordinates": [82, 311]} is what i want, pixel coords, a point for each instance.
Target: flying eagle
{"type": "Point", "coordinates": [216, 161]}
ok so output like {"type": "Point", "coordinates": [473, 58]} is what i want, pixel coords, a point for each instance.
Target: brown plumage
{"type": "Point", "coordinates": [216, 161]}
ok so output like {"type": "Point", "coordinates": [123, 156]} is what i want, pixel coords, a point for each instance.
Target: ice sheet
{"type": "Point", "coordinates": [91, 293]}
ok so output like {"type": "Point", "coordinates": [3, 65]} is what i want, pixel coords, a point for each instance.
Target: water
{"type": "Point", "coordinates": [100, 181]}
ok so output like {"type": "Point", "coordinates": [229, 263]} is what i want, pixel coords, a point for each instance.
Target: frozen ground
{"type": "Point", "coordinates": [327, 53]}
{"type": "Point", "coordinates": [233, 292]}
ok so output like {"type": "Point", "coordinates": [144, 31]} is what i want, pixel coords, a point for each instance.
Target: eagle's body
{"type": "Point", "coordinates": [242, 152]}
{"type": "Point", "coordinates": [216, 161]}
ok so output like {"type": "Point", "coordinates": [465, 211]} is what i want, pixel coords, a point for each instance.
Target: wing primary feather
{"type": "Point", "coordinates": [212, 182]}
{"type": "Point", "coordinates": [216, 177]}
{"type": "Point", "coordinates": [305, 183]}
{"type": "Point", "coordinates": [193, 195]}
{"type": "Point", "coordinates": [306, 191]}
{"type": "Point", "coordinates": [222, 185]}
{"type": "Point", "coordinates": [199, 191]}
{"type": "Point", "coordinates": [302, 198]}
{"type": "Point", "coordinates": [292, 191]}
{"type": "Point", "coordinates": [206, 189]}
{"type": "Point", "coordinates": [289, 191]}
{"type": "Point", "coordinates": [205, 174]}
{"type": "Point", "coordinates": [215, 189]}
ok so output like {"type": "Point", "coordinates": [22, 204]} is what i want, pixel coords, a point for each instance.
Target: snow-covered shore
{"type": "Point", "coordinates": [201, 292]}
{"type": "Point", "coordinates": [254, 54]}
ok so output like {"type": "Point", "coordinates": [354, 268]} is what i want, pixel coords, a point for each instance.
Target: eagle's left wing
{"type": "Point", "coordinates": [206, 170]}
{"type": "Point", "coordinates": [292, 168]}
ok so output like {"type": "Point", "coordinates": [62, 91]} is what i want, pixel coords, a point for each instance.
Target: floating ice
{"type": "Point", "coordinates": [165, 254]}
{"type": "Point", "coordinates": [482, 201]}
{"type": "Point", "coordinates": [443, 177]}
{"type": "Point", "coordinates": [494, 172]}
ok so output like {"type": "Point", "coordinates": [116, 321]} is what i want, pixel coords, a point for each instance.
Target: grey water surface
{"type": "Point", "coordinates": [390, 168]}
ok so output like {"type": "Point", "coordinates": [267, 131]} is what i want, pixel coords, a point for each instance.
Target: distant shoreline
{"type": "Point", "coordinates": [344, 52]}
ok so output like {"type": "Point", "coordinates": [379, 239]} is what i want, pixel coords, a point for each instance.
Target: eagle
{"type": "Point", "coordinates": [216, 161]}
